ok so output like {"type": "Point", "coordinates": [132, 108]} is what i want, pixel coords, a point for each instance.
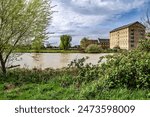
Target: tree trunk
{"type": "Point", "coordinates": [3, 67]}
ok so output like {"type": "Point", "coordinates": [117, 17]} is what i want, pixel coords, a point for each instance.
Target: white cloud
{"type": "Point", "coordinates": [80, 17]}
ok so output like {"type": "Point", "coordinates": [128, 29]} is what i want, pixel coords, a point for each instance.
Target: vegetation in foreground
{"type": "Point", "coordinates": [124, 76]}
{"type": "Point", "coordinates": [50, 84]}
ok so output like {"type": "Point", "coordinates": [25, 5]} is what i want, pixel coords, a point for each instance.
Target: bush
{"type": "Point", "coordinates": [25, 76]}
{"type": "Point", "coordinates": [86, 72]}
{"type": "Point", "coordinates": [129, 70]}
{"type": "Point", "coordinates": [116, 49]}
{"type": "Point", "coordinates": [93, 48]}
{"type": "Point", "coordinates": [144, 45]}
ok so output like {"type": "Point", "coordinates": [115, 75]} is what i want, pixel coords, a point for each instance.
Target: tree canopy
{"type": "Point", "coordinates": [21, 21]}
{"type": "Point", "coordinates": [65, 42]}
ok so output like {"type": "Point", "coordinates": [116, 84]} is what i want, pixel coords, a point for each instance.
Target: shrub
{"type": "Point", "coordinates": [93, 48]}
{"type": "Point", "coordinates": [130, 70]}
{"type": "Point", "coordinates": [144, 45]}
{"type": "Point", "coordinates": [116, 49]}
{"type": "Point", "coordinates": [86, 71]}
{"type": "Point", "coordinates": [25, 76]}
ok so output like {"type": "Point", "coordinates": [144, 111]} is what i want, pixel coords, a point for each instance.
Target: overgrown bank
{"type": "Point", "coordinates": [124, 76]}
{"type": "Point", "coordinates": [49, 84]}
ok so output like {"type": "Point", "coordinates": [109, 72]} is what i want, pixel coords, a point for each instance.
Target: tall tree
{"type": "Point", "coordinates": [65, 42]}
{"type": "Point", "coordinates": [21, 21]}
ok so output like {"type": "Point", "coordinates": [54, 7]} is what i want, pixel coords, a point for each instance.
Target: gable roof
{"type": "Point", "coordinates": [126, 26]}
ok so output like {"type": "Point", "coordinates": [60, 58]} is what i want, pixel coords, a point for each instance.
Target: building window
{"type": "Point", "coordinates": [132, 38]}
{"type": "Point", "coordinates": [132, 45]}
{"type": "Point", "coordinates": [132, 33]}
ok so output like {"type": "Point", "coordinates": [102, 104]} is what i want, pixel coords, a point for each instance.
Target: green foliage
{"type": "Point", "coordinates": [86, 71]}
{"type": "Point", "coordinates": [26, 76]}
{"type": "Point", "coordinates": [84, 43]}
{"type": "Point", "coordinates": [116, 49]}
{"type": "Point", "coordinates": [21, 21]}
{"type": "Point", "coordinates": [125, 70]}
{"type": "Point", "coordinates": [91, 93]}
{"type": "Point", "coordinates": [65, 42]}
{"type": "Point", "coordinates": [44, 50]}
{"type": "Point", "coordinates": [38, 84]}
{"type": "Point", "coordinates": [144, 45]}
{"type": "Point", "coordinates": [60, 84]}
{"type": "Point", "coordinates": [125, 75]}
{"type": "Point", "coordinates": [148, 34]}
{"type": "Point", "coordinates": [93, 48]}
{"type": "Point", "coordinates": [38, 43]}
{"type": "Point", "coordinates": [129, 70]}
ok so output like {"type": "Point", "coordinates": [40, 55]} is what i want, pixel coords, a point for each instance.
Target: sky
{"type": "Point", "coordinates": [93, 18]}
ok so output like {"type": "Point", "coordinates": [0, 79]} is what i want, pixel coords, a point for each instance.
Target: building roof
{"type": "Point", "coordinates": [126, 26]}
{"type": "Point", "coordinates": [91, 40]}
{"type": "Point", "coordinates": [100, 39]}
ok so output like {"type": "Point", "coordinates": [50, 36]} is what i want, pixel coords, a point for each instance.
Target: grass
{"type": "Point", "coordinates": [62, 51]}
{"type": "Point", "coordinates": [47, 51]}
{"type": "Point", "coordinates": [22, 84]}
{"type": "Point", "coordinates": [51, 91]}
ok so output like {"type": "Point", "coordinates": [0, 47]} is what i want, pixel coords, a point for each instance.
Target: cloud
{"type": "Point", "coordinates": [85, 17]}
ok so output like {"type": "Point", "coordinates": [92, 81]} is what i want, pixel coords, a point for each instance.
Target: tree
{"type": "Point", "coordinates": [83, 43]}
{"type": "Point", "coordinates": [38, 43]}
{"type": "Point", "coordinates": [65, 42]}
{"type": "Point", "coordinates": [93, 48]}
{"type": "Point", "coordinates": [21, 21]}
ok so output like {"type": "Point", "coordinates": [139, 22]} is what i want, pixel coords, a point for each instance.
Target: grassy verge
{"type": "Point", "coordinates": [58, 84]}
{"type": "Point", "coordinates": [52, 91]}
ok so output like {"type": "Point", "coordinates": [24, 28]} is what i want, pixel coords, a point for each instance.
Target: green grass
{"type": "Point", "coordinates": [47, 51]}
{"type": "Point", "coordinates": [60, 51]}
{"type": "Point", "coordinates": [51, 91]}
{"type": "Point", "coordinates": [120, 94]}
{"type": "Point", "coordinates": [22, 84]}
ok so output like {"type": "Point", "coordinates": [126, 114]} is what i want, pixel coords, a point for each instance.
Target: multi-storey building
{"type": "Point", "coordinates": [127, 36]}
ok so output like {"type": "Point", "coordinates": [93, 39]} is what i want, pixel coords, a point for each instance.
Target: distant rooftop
{"type": "Point", "coordinates": [126, 26]}
{"type": "Point", "coordinates": [105, 39]}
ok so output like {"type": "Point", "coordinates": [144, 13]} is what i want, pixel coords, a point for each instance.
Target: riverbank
{"type": "Point", "coordinates": [23, 84]}
{"type": "Point", "coordinates": [47, 51]}
{"type": "Point", "coordinates": [124, 76]}
{"type": "Point", "coordinates": [65, 51]}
